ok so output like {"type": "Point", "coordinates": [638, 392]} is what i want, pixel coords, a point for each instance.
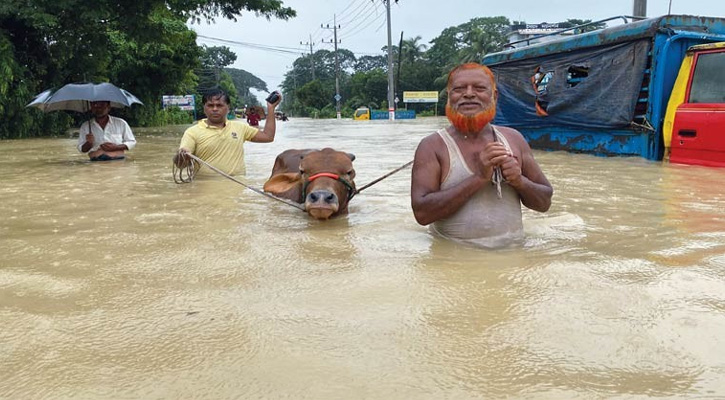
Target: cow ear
{"type": "Point", "coordinates": [352, 156]}
{"type": "Point", "coordinates": [285, 185]}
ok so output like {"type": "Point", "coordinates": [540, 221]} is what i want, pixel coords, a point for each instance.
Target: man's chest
{"type": "Point", "coordinates": [226, 137]}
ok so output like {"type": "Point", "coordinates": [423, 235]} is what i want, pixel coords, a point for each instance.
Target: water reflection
{"type": "Point", "coordinates": [116, 282]}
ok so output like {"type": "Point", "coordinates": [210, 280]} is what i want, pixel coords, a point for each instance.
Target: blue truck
{"type": "Point", "coordinates": [603, 92]}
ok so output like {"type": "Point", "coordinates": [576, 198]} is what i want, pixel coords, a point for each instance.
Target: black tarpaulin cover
{"type": "Point", "coordinates": [590, 88]}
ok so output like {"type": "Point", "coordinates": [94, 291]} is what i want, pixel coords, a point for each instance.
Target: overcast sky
{"type": "Point", "coordinates": [268, 48]}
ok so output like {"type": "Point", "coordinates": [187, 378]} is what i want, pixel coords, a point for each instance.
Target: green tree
{"type": "Point", "coordinates": [314, 95]}
{"type": "Point", "coordinates": [161, 64]}
{"type": "Point", "coordinates": [369, 63]}
{"type": "Point", "coordinates": [415, 72]}
{"type": "Point", "coordinates": [298, 92]}
{"type": "Point", "coordinates": [468, 41]}
{"type": "Point", "coordinates": [570, 23]}
{"type": "Point", "coordinates": [213, 60]}
{"type": "Point", "coordinates": [243, 82]}
{"type": "Point", "coordinates": [368, 88]}
{"type": "Point", "coordinates": [144, 46]}
{"type": "Point", "coordinates": [217, 56]}
{"type": "Point", "coordinates": [413, 50]}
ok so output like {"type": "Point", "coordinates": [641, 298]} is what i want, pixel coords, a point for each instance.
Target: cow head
{"type": "Point", "coordinates": [324, 182]}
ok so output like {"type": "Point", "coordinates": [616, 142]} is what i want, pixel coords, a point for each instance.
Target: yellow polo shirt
{"type": "Point", "coordinates": [220, 147]}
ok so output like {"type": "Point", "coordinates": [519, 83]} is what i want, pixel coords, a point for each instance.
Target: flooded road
{"type": "Point", "coordinates": [115, 282]}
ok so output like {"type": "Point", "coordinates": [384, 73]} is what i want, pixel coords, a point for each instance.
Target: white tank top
{"type": "Point", "coordinates": [485, 220]}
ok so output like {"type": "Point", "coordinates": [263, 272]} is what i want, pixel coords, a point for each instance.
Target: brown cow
{"type": "Point", "coordinates": [321, 179]}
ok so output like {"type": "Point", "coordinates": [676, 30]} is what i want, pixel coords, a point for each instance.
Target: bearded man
{"type": "Point", "coordinates": [470, 179]}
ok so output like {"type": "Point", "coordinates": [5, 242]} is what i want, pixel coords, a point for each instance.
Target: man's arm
{"type": "Point", "coordinates": [429, 202]}
{"type": "Point", "coordinates": [527, 178]}
{"type": "Point", "coordinates": [128, 141]}
{"type": "Point", "coordinates": [85, 140]}
{"type": "Point", "coordinates": [108, 146]}
{"type": "Point", "coordinates": [266, 135]}
{"type": "Point", "coordinates": [87, 143]}
{"type": "Point", "coordinates": [186, 147]}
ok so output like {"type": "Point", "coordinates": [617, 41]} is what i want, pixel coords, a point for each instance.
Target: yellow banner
{"type": "Point", "coordinates": [420, 97]}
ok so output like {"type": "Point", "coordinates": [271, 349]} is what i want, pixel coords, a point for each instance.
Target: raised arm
{"type": "Point", "coordinates": [266, 135]}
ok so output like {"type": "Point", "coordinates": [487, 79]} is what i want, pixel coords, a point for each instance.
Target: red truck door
{"type": "Point", "coordinates": [698, 135]}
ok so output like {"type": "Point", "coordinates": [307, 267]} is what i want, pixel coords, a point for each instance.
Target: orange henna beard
{"type": "Point", "coordinates": [471, 124]}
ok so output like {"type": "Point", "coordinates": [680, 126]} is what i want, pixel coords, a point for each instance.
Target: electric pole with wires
{"type": "Point", "coordinates": [312, 57]}
{"type": "Point", "coordinates": [334, 28]}
{"type": "Point", "coordinates": [391, 88]}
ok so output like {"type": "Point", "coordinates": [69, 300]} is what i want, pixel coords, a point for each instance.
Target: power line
{"type": "Point", "coordinates": [360, 29]}
{"type": "Point", "coordinates": [342, 13]}
{"type": "Point", "coordinates": [277, 49]}
{"type": "Point", "coordinates": [358, 11]}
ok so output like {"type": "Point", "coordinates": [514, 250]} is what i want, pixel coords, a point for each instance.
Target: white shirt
{"type": "Point", "coordinates": [117, 131]}
{"type": "Point", "coordinates": [485, 220]}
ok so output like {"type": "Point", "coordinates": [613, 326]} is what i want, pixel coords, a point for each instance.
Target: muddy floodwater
{"type": "Point", "coordinates": [117, 283]}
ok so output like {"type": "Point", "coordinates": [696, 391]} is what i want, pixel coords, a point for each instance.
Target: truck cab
{"type": "Point", "coordinates": [361, 114]}
{"type": "Point", "coordinates": [695, 119]}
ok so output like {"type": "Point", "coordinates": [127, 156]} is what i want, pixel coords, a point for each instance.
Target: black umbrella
{"type": "Point", "coordinates": [76, 97]}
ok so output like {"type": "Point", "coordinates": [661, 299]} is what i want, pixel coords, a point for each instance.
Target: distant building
{"type": "Point", "coordinates": [518, 35]}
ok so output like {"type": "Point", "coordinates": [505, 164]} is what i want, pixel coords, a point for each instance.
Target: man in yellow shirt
{"type": "Point", "coordinates": [221, 142]}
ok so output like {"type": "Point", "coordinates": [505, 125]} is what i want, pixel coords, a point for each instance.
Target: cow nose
{"type": "Point", "coordinates": [323, 196]}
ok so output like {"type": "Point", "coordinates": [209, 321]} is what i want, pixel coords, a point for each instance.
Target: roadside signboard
{"type": "Point", "coordinates": [183, 102]}
{"type": "Point", "coordinates": [420, 97]}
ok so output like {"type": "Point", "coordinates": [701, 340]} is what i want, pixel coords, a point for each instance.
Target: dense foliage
{"type": "Point", "coordinates": [364, 80]}
{"type": "Point", "coordinates": [143, 46]}
{"type": "Point", "coordinates": [146, 47]}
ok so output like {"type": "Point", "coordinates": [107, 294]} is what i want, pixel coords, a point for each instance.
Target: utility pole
{"type": "Point", "coordinates": [294, 77]}
{"type": "Point", "coordinates": [400, 62]}
{"type": "Point", "coordinates": [391, 89]}
{"type": "Point", "coordinates": [640, 8]}
{"type": "Point", "coordinates": [337, 64]}
{"type": "Point", "coordinates": [312, 58]}
{"type": "Point", "coordinates": [292, 98]}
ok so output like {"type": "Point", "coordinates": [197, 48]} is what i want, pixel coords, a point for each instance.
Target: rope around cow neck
{"type": "Point", "coordinates": [187, 174]}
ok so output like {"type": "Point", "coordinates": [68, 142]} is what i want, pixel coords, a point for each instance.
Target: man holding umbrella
{"type": "Point", "coordinates": [105, 137]}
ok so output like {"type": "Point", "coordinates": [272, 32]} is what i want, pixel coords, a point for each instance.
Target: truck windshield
{"type": "Point", "coordinates": [708, 80]}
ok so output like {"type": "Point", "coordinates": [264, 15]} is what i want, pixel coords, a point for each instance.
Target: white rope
{"type": "Point", "coordinates": [497, 174]}
{"type": "Point", "coordinates": [198, 160]}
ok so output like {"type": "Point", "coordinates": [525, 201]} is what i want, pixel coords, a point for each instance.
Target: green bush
{"type": "Point", "coordinates": [150, 116]}
{"type": "Point", "coordinates": [176, 116]}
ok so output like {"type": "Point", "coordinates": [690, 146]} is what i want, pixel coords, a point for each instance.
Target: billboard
{"type": "Point", "coordinates": [420, 97]}
{"type": "Point", "coordinates": [183, 102]}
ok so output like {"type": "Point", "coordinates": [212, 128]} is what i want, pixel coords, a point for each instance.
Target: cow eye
{"type": "Point", "coordinates": [302, 171]}
{"type": "Point", "coordinates": [349, 172]}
